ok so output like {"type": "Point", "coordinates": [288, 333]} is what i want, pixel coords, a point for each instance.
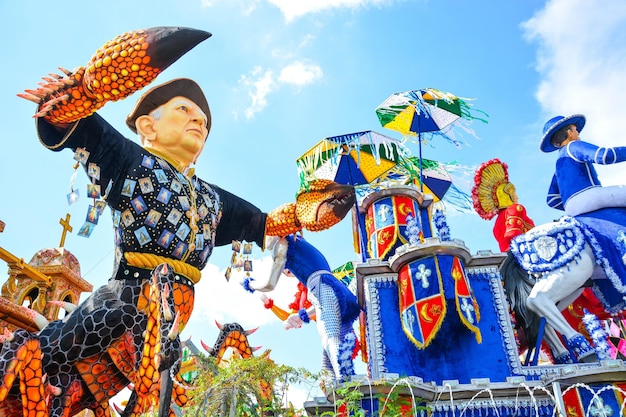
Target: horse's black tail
{"type": "Point", "coordinates": [517, 286]}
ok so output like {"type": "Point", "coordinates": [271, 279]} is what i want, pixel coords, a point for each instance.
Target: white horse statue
{"type": "Point", "coordinates": [563, 256]}
{"type": "Point", "coordinates": [518, 285]}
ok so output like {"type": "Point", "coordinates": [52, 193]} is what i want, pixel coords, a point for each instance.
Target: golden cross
{"type": "Point", "coordinates": [66, 228]}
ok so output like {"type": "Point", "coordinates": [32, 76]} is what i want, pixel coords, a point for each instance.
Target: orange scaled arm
{"type": "Point", "coordinates": [120, 67]}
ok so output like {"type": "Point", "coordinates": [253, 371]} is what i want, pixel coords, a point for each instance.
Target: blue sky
{"type": "Point", "coordinates": [280, 75]}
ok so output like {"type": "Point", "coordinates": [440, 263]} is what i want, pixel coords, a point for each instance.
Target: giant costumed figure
{"type": "Point", "coordinates": [334, 306]}
{"type": "Point", "coordinates": [588, 243]}
{"type": "Point", "coordinates": [167, 222]}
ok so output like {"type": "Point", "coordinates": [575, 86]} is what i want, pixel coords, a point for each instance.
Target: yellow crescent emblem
{"type": "Point", "coordinates": [424, 314]}
{"type": "Point", "coordinates": [403, 209]}
{"type": "Point", "coordinates": [384, 237]}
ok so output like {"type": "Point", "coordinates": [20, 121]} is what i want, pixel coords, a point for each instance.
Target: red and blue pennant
{"type": "Point", "coordinates": [422, 301]}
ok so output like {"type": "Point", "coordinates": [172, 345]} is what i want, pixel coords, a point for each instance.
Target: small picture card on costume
{"type": "Point", "coordinates": [174, 216]}
{"type": "Point", "coordinates": [81, 155]}
{"type": "Point", "coordinates": [128, 188]}
{"type": "Point", "coordinates": [239, 263]}
{"type": "Point", "coordinates": [228, 273]}
{"type": "Point", "coordinates": [145, 184]}
{"type": "Point", "coordinates": [184, 202]}
{"type": "Point", "coordinates": [93, 191]}
{"type": "Point", "coordinates": [138, 204]}
{"type": "Point", "coordinates": [127, 217]}
{"type": "Point", "coordinates": [176, 186]}
{"type": "Point", "coordinates": [164, 195]}
{"type": "Point", "coordinates": [116, 217]}
{"type": "Point", "coordinates": [183, 231]}
{"type": "Point", "coordinates": [93, 171]}
{"type": "Point", "coordinates": [205, 253]}
{"type": "Point", "coordinates": [142, 235]}
{"type": "Point", "coordinates": [247, 248]}
{"type": "Point", "coordinates": [208, 201]}
{"type": "Point", "coordinates": [203, 211]}
{"type": "Point", "coordinates": [118, 236]}
{"type": "Point", "coordinates": [236, 246]}
{"type": "Point", "coordinates": [73, 197]}
{"type": "Point", "coordinates": [199, 241]}
{"type": "Point", "coordinates": [92, 215]}
{"type": "Point", "coordinates": [153, 218]}
{"type": "Point", "coordinates": [247, 266]}
{"type": "Point", "coordinates": [206, 231]}
{"type": "Point", "coordinates": [180, 250]}
{"type": "Point", "coordinates": [165, 239]}
{"type": "Point", "coordinates": [163, 164]}
{"type": "Point", "coordinates": [181, 177]}
{"type": "Point", "coordinates": [147, 162]}
{"type": "Point", "coordinates": [100, 206]}
{"type": "Point", "coordinates": [86, 229]}
{"type": "Point", "coordinates": [160, 176]}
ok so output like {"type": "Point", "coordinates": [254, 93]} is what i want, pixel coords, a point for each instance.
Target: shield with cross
{"type": "Point", "coordinates": [392, 221]}
{"type": "Point", "coordinates": [422, 301]}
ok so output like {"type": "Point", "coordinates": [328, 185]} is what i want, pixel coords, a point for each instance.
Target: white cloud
{"type": "Point", "coordinates": [260, 83]}
{"type": "Point", "coordinates": [227, 301]}
{"type": "Point", "coordinates": [300, 74]}
{"type": "Point", "coordinates": [292, 9]}
{"type": "Point", "coordinates": [582, 64]}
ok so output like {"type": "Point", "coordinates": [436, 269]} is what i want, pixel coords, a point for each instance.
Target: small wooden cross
{"type": "Point", "coordinates": [66, 228]}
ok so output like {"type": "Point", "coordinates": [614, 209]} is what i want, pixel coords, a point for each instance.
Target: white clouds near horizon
{"type": "Point", "coordinates": [581, 61]}
{"type": "Point", "coordinates": [292, 10]}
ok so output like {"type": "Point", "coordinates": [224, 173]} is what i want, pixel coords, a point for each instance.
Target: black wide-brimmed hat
{"type": "Point", "coordinates": [161, 94]}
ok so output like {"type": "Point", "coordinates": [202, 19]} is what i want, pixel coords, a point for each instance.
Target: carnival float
{"type": "Point", "coordinates": [434, 323]}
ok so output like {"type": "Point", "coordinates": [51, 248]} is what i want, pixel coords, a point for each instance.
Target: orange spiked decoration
{"type": "Point", "coordinates": [232, 335]}
{"type": "Point", "coordinates": [120, 67]}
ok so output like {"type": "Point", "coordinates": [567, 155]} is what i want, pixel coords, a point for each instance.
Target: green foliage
{"type": "Point", "coordinates": [258, 387]}
{"type": "Point", "coordinates": [251, 387]}
{"type": "Point", "coordinates": [393, 404]}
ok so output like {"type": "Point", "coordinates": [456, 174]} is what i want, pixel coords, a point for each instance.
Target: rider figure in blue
{"type": "Point", "coordinates": [599, 210]}
{"type": "Point", "coordinates": [575, 186]}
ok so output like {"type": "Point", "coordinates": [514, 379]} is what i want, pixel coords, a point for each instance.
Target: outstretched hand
{"type": "Point", "coordinates": [293, 322]}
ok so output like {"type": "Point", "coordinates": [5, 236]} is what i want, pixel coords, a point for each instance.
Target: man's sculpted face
{"type": "Point", "coordinates": [180, 131]}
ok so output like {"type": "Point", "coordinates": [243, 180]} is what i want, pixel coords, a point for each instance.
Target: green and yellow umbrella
{"type": "Point", "coordinates": [355, 158]}
{"type": "Point", "coordinates": [425, 111]}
